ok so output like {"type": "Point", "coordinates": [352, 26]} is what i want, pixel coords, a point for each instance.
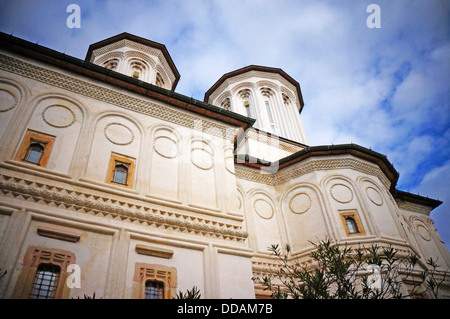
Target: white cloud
{"type": "Point", "coordinates": [386, 88]}
{"type": "Point", "coordinates": [436, 184]}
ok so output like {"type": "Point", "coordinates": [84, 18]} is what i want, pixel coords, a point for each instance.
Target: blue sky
{"type": "Point", "coordinates": [384, 88]}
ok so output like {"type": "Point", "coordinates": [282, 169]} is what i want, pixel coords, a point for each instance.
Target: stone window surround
{"type": "Point", "coordinates": [36, 256]}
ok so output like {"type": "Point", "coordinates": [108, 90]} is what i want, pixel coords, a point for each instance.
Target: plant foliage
{"type": "Point", "coordinates": [194, 293]}
{"type": "Point", "coordinates": [340, 272]}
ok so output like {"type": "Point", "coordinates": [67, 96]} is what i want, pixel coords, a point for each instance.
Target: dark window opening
{"type": "Point", "coordinates": [154, 290]}
{"type": "Point", "coordinates": [45, 282]}
{"type": "Point", "coordinates": [34, 152]}
{"type": "Point", "coordinates": [120, 174]}
{"type": "Point", "coordinates": [352, 226]}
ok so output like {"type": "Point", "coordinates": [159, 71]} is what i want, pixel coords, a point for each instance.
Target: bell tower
{"type": "Point", "coordinates": [137, 57]}
{"type": "Point", "coordinates": [268, 95]}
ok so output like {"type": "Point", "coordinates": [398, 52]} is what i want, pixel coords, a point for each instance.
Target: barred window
{"type": "Point", "coordinates": [154, 290]}
{"type": "Point", "coordinates": [45, 282]}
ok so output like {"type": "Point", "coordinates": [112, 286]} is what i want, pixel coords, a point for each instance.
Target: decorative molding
{"type": "Point", "coordinates": [58, 116]}
{"type": "Point", "coordinates": [37, 255]}
{"type": "Point", "coordinates": [160, 148]}
{"type": "Point", "coordinates": [111, 96]}
{"type": "Point", "coordinates": [300, 203]}
{"type": "Point", "coordinates": [202, 159]}
{"type": "Point", "coordinates": [264, 84]}
{"type": "Point", "coordinates": [153, 251]}
{"type": "Point", "coordinates": [232, 84]}
{"type": "Point", "coordinates": [119, 138]}
{"type": "Point", "coordinates": [104, 206]}
{"type": "Point", "coordinates": [4, 94]}
{"type": "Point", "coordinates": [341, 193]}
{"type": "Point", "coordinates": [263, 208]}
{"type": "Point", "coordinates": [243, 88]}
{"type": "Point", "coordinates": [254, 175]}
{"type": "Point", "coordinates": [221, 98]}
{"type": "Point", "coordinates": [288, 93]}
{"type": "Point", "coordinates": [303, 168]}
{"type": "Point", "coordinates": [108, 56]}
{"type": "Point", "coordinates": [164, 274]}
{"type": "Point", "coordinates": [167, 83]}
{"type": "Point", "coordinates": [268, 265]}
{"type": "Point", "coordinates": [202, 155]}
{"type": "Point", "coordinates": [374, 196]}
{"type": "Point", "coordinates": [229, 164]}
{"type": "Point", "coordinates": [420, 225]}
{"type": "Point", "coordinates": [140, 55]}
{"type": "Point", "coordinates": [413, 207]}
{"type": "Point", "coordinates": [423, 231]}
{"type": "Point", "coordinates": [269, 139]}
{"type": "Point", "coordinates": [138, 47]}
{"type": "Point", "coordinates": [58, 234]}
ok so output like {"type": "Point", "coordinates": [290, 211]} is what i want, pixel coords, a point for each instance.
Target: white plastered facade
{"type": "Point", "coordinates": [192, 211]}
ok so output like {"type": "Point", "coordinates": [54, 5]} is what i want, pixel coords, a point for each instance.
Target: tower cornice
{"type": "Point", "coordinates": [260, 69]}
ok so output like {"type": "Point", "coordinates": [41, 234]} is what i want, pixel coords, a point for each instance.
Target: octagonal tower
{"type": "Point", "coordinates": [137, 57]}
{"type": "Point", "coordinates": [266, 94]}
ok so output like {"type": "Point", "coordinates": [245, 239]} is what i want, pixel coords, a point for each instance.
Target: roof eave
{"type": "Point", "coordinates": [416, 199]}
{"type": "Point", "coordinates": [134, 38]}
{"type": "Point", "coordinates": [91, 70]}
{"type": "Point", "coordinates": [249, 68]}
{"type": "Point", "coordinates": [336, 150]}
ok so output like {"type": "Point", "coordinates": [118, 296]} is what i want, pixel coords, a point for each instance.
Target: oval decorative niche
{"type": "Point", "coordinates": [8, 100]}
{"type": "Point", "coordinates": [300, 203]}
{"type": "Point", "coordinates": [374, 196]}
{"type": "Point", "coordinates": [229, 164]}
{"type": "Point", "coordinates": [423, 232]}
{"type": "Point", "coordinates": [263, 208]}
{"type": "Point", "coordinates": [202, 155]}
{"type": "Point", "coordinates": [118, 134]}
{"type": "Point", "coordinates": [165, 146]}
{"type": "Point", "coordinates": [341, 193]}
{"type": "Point", "coordinates": [59, 116]}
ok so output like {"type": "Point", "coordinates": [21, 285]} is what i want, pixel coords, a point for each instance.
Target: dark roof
{"type": "Point", "coordinates": [417, 199]}
{"type": "Point", "coordinates": [333, 150]}
{"type": "Point", "coordinates": [257, 68]}
{"type": "Point", "coordinates": [86, 68]}
{"type": "Point", "coordinates": [346, 149]}
{"type": "Point", "coordinates": [140, 40]}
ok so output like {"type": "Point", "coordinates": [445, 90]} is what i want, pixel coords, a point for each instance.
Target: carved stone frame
{"type": "Point", "coordinates": [164, 274]}
{"type": "Point", "coordinates": [36, 256]}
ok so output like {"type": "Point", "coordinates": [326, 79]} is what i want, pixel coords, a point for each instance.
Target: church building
{"type": "Point", "coordinates": [113, 183]}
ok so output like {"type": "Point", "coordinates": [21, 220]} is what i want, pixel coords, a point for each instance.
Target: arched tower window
{"type": "Point", "coordinates": [286, 99]}
{"type": "Point", "coordinates": [226, 104]}
{"type": "Point", "coordinates": [267, 94]}
{"type": "Point", "coordinates": [111, 64]}
{"type": "Point", "coordinates": [159, 80]}
{"type": "Point", "coordinates": [245, 97]}
{"type": "Point", "coordinates": [138, 68]}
